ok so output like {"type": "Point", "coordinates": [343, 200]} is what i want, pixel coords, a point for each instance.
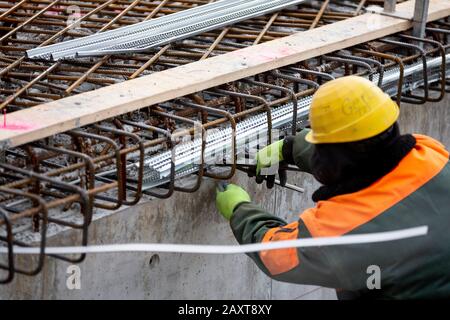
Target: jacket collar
{"type": "Point", "coordinates": [388, 159]}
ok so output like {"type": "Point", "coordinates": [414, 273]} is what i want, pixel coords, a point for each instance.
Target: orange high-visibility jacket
{"type": "Point", "coordinates": [415, 193]}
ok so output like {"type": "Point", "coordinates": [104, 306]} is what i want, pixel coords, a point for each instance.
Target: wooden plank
{"type": "Point", "coordinates": [51, 118]}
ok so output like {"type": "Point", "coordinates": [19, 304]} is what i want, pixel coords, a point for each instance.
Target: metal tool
{"type": "Point", "coordinates": [289, 186]}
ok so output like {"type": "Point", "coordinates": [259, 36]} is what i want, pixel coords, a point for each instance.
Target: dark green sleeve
{"type": "Point", "coordinates": [250, 223]}
{"type": "Point", "coordinates": [298, 151]}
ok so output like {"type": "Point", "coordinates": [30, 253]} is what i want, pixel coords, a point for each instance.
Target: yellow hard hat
{"type": "Point", "coordinates": [350, 109]}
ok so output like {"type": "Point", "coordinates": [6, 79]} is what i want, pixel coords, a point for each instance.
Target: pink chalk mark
{"type": "Point", "coordinates": [16, 126]}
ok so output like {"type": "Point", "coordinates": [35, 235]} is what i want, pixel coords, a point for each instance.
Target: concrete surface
{"type": "Point", "coordinates": [192, 218]}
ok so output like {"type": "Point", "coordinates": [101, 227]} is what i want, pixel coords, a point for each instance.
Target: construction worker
{"type": "Point", "coordinates": [373, 180]}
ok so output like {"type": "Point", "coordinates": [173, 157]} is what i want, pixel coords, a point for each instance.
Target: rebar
{"type": "Point", "coordinates": [73, 178]}
{"type": "Point", "coordinates": [56, 23]}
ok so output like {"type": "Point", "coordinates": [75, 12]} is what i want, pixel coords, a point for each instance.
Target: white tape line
{"type": "Point", "coordinates": [234, 249]}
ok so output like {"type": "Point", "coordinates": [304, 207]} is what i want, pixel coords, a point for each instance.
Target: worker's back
{"type": "Point", "coordinates": [415, 193]}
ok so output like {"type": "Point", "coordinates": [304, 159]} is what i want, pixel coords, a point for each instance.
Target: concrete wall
{"type": "Point", "coordinates": [432, 119]}
{"type": "Point", "coordinates": [192, 218]}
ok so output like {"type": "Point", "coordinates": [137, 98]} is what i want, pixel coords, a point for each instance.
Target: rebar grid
{"type": "Point", "coordinates": [33, 23]}
{"type": "Point", "coordinates": [68, 179]}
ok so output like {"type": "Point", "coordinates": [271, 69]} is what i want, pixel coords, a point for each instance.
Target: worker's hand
{"type": "Point", "coordinates": [229, 198]}
{"type": "Point", "coordinates": [270, 157]}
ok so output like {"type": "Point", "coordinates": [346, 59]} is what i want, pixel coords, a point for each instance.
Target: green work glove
{"type": "Point", "coordinates": [229, 198]}
{"type": "Point", "coordinates": [268, 157]}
